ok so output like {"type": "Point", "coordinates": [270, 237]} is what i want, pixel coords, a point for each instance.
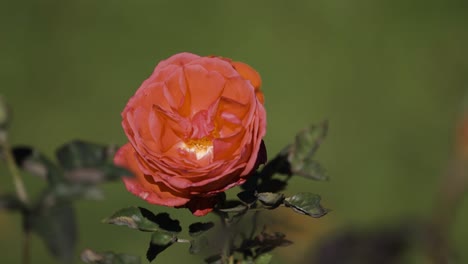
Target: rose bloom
{"type": "Point", "coordinates": [195, 129]}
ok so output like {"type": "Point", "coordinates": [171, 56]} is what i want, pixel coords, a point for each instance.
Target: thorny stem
{"type": "Point", "coordinates": [20, 191]}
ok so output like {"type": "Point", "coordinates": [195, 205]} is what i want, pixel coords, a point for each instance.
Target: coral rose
{"type": "Point", "coordinates": [195, 129]}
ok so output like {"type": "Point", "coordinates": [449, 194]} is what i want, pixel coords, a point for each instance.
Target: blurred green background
{"type": "Point", "coordinates": [388, 75]}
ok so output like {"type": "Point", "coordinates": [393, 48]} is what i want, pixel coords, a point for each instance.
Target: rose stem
{"type": "Point", "coordinates": [226, 256]}
{"type": "Point", "coordinates": [20, 191]}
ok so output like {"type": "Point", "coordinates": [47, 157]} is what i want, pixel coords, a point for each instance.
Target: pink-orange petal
{"type": "Point", "coordinates": [204, 87]}
{"type": "Point", "coordinates": [251, 75]}
{"type": "Point", "coordinates": [152, 192]}
{"type": "Point", "coordinates": [178, 59]}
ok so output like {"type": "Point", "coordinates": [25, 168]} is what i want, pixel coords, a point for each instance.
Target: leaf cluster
{"type": "Point", "coordinates": [164, 232]}
{"type": "Point", "coordinates": [80, 168]}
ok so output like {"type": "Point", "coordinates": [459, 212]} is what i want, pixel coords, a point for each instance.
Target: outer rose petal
{"type": "Point", "coordinates": [178, 59]}
{"type": "Point", "coordinates": [248, 73]}
{"type": "Point", "coordinates": [252, 75]}
{"type": "Point", "coordinates": [201, 206]}
{"type": "Point", "coordinates": [125, 157]}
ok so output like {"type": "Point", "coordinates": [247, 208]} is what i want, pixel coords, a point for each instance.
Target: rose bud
{"type": "Point", "coordinates": [195, 129]}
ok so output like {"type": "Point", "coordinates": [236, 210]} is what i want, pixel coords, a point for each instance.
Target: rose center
{"type": "Point", "coordinates": [200, 147]}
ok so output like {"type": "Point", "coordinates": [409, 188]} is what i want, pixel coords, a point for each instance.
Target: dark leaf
{"type": "Point", "coordinates": [266, 242]}
{"type": "Point", "coordinates": [306, 203]}
{"type": "Point", "coordinates": [271, 200]}
{"type": "Point", "coordinates": [10, 202]}
{"type": "Point", "coordinates": [198, 245]}
{"type": "Point", "coordinates": [262, 180]}
{"type": "Point", "coordinates": [53, 220]}
{"type": "Point", "coordinates": [143, 220]}
{"type": "Point", "coordinates": [199, 228]}
{"type": "Point", "coordinates": [215, 259]}
{"type": "Point", "coordinates": [233, 206]}
{"type": "Point", "coordinates": [164, 221]}
{"type": "Point", "coordinates": [247, 197]}
{"type": "Point", "coordinates": [272, 185]}
{"type": "Point", "coordinates": [251, 183]}
{"type": "Point", "coordinates": [77, 191]}
{"type": "Point", "coordinates": [159, 242]}
{"type": "Point", "coordinates": [81, 154]}
{"type": "Point", "coordinates": [263, 243]}
{"type": "Point", "coordinates": [91, 257]}
{"type": "Point", "coordinates": [32, 161]}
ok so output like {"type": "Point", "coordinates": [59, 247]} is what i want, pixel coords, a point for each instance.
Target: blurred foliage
{"type": "Point", "coordinates": [388, 75]}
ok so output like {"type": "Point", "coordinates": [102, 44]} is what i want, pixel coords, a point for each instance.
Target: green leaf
{"type": "Point", "coordinates": [162, 238]}
{"type": "Point", "coordinates": [92, 257]}
{"type": "Point", "coordinates": [53, 220]}
{"type": "Point", "coordinates": [98, 174]}
{"type": "Point", "coordinates": [306, 203]}
{"type": "Point", "coordinates": [271, 200]}
{"type": "Point", "coordinates": [199, 228]}
{"type": "Point", "coordinates": [143, 220]}
{"type": "Point", "coordinates": [304, 147]}
{"type": "Point", "coordinates": [159, 242]}
{"type": "Point", "coordinates": [77, 191]}
{"type": "Point", "coordinates": [34, 162]}
{"type": "Point", "coordinates": [263, 259]}
{"type": "Point", "coordinates": [313, 170]}
{"type": "Point", "coordinates": [81, 154]}
{"type": "Point", "coordinates": [89, 163]}
{"type": "Point", "coordinates": [308, 141]}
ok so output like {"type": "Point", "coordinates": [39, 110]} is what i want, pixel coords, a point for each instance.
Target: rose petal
{"type": "Point", "coordinates": [178, 59]}
{"type": "Point", "coordinates": [204, 87]}
{"type": "Point", "coordinates": [153, 193]}
{"type": "Point", "coordinates": [200, 206]}
{"type": "Point", "coordinates": [248, 73]}
{"type": "Point", "coordinates": [192, 104]}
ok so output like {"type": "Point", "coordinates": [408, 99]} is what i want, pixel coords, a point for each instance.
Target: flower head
{"type": "Point", "coordinates": [195, 129]}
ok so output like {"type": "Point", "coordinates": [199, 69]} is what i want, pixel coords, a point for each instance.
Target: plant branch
{"type": "Point", "coordinates": [20, 192]}
{"type": "Point", "coordinates": [18, 182]}
{"type": "Point", "coordinates": [226, 256]}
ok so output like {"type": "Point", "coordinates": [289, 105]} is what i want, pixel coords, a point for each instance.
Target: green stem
{"type": "Point", "coordinates": [21, 193]}
{"type": "Point", "coordinates": [182, 240]}
{"type": "Point", "coordinates": [226, 256]}
{"type": "Point", "coordinates": [26, 247]}
{"type": "Point", "coordinates": [18, 182]}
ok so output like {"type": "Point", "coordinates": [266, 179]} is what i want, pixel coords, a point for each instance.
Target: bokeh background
{"type": "Point", "coordinates": [388, 75]}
